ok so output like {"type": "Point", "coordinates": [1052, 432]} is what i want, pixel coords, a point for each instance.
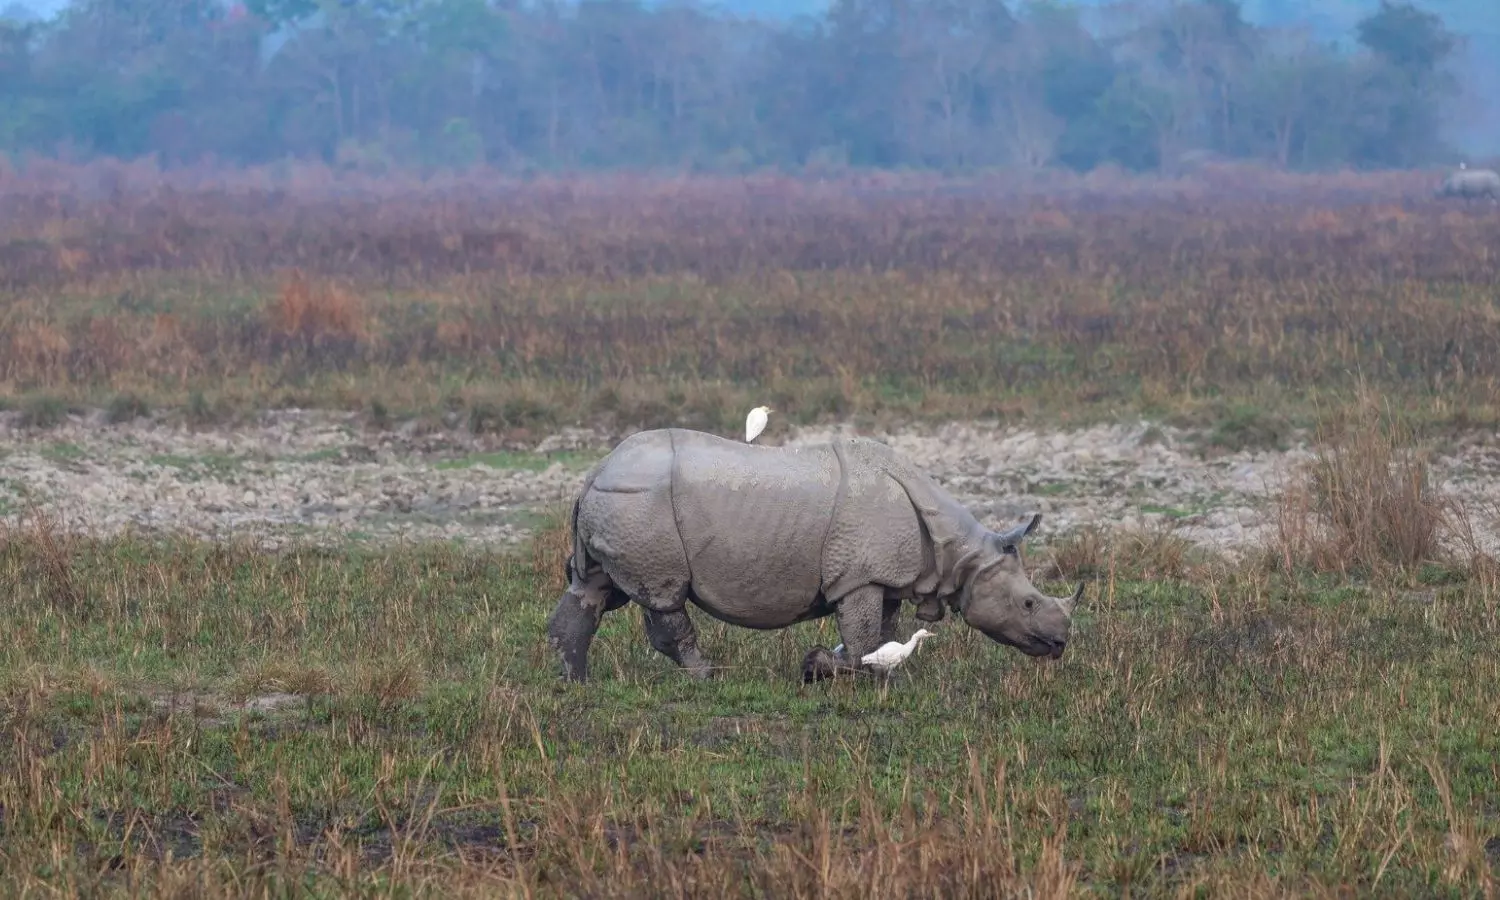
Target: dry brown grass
{"type": "Point", "coordinates": [1364, 504]}
{"type": "Point", "coordinates": [316, 312]}
{"type": "Point", "coordinates": [646, 301]}
{"type": "Point", "coordinates": [53, 576]}
{"type": "Point", "coordinates": [551, 545]}
{"type": "Point", "coordinates": [1151, 552]}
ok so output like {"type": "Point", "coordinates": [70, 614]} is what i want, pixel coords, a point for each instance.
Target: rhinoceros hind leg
{"type": "Point", "coordinates": [864, 618]}
{"type": "Point", "coordinates": [821, 663]}
{"type": "Point", "coordinates": [672, 635]}
{"type": "Point", "coordinates": [571, 627]}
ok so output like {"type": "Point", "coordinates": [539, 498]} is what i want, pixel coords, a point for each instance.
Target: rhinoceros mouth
{"type": "Point", "coordinates": [1040, 648]}
{"type": "Point", "coordinates": [1047, 648]}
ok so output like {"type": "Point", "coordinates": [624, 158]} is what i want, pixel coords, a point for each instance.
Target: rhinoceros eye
{"type": "Point", "coordinates": [1011, 549]}
{"type": "Point", "coordinates": [1030, 603]}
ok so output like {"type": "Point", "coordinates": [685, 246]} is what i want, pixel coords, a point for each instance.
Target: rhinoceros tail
{"type": "Point", "coordinates": [577, 562]}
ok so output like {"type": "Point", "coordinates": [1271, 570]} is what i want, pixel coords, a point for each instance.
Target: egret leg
{"type": "Point", "coordinates": [672, 634]}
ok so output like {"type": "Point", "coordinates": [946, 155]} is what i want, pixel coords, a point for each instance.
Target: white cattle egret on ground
{"type": "Point", "coordinates": [755, 423]}
{"type": "Point", "coordinates": [890, 655]}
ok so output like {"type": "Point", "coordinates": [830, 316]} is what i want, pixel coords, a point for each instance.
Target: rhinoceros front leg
{"type": "Point", "coordinates": [672, 634]}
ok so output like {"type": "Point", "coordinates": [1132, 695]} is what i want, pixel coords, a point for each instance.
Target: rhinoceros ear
{"type": "Point", "coordinates": [1012, 537]}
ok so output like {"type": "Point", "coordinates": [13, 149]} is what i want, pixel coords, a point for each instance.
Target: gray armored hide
{"type": "Point", "coordinates": [765, 537]}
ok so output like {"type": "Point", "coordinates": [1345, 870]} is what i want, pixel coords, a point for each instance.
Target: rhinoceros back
{"type": "Point", "coordinates": [762, 537]}
{"type": "Point", "coordinates": [753, 521]}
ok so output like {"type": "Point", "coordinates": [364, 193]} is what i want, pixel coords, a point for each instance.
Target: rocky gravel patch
{"type": "Point", "coordinates": [325, 478]}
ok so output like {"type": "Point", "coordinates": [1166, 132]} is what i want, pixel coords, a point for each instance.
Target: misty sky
{"type": "Point", "coordinates": [42, 7]}
{"type": "Point", "coordinates": [1253, 8]}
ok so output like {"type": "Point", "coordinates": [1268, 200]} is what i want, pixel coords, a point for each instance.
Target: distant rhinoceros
{"type": "Point", "coordinates": [1471, 184]}
{"type": "Point", "coordinates": [765, 537]}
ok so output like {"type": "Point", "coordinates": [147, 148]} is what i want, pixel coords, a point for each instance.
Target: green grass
{"type": "Point", "coordinates": [1171, 512]}
{"type": "Point", "coordinates": [1226, 730]}
{"type": "Point", "coordinates": [63, 451]}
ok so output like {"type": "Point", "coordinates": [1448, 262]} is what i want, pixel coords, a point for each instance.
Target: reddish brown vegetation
{"type": "Point", "coordinates": [315, 312]}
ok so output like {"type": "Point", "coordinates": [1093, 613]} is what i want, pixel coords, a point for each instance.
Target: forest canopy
{"type": "Point", "coordinates": [930, 84]}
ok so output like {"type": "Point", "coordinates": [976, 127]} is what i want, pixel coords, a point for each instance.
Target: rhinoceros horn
{"type": "Point", "coordinates": [1067, 603]}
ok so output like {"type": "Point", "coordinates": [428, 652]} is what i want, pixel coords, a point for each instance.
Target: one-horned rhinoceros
{"type": "Point", "coordinates": [1471, 184]}
{"type": "Point", "coordinates": [766, 537]}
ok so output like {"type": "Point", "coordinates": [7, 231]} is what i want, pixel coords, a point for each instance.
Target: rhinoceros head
{"type": "Point", "coordinates": [1001, 601]}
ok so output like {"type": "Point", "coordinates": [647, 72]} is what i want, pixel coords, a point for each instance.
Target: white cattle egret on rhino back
{"type": "Point", "coordinates": [755, 423]}
{"type": "Point", "coordinates": [890, 655]}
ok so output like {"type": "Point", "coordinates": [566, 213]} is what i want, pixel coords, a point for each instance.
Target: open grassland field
{"type": "Point", "coordinates": [282, 472]}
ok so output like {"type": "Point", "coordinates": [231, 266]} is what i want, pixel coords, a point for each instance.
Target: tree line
{"type": "Point", "coordinates": [932, 84]}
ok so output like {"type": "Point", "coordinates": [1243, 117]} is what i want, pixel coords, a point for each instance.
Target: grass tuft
{"type": "Point", "coordinates": [1364, 504]}
{"type": "Point", "coordinates": [1153, 551]}
{"type": "Point", "coordinates": [317, 313]}
{"type": "Point", "coordinates": [1248, 427]}
{"type": "Point", "coordinates": [126, 407]}
{"type": "Point", "coordinates": [42, 412]}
